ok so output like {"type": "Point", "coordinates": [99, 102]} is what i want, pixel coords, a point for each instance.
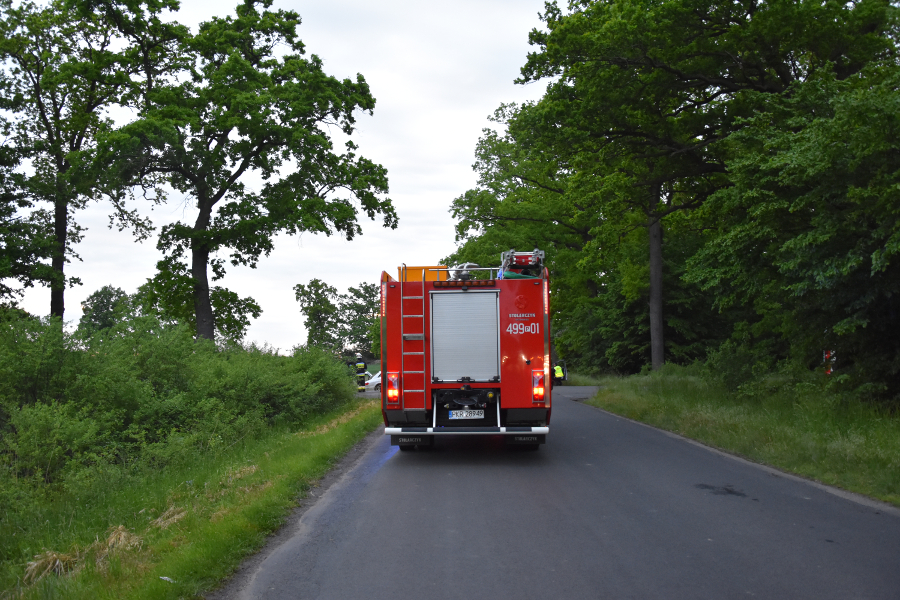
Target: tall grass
{"type": "Point", "coordinates": [797, 423]}
{"type": "Point", "coordinates": [104, 433]}
{"type": "Point", "coordinates": [187, 527]}
{"type": "Point", "coordinates": [581, 379]}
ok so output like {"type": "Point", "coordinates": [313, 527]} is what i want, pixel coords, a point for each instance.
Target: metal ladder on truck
{"type": "Point", "coordinates": [412, 335]}
{"type": "Point", "coordinates": [520, 260]}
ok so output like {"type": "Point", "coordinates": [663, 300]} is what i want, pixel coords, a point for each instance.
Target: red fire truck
{"type": "Point", "coordinates": [466, 351]}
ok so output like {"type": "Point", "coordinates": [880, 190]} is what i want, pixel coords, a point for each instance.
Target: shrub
{"type": "Point", "coordinates": [142, 393]}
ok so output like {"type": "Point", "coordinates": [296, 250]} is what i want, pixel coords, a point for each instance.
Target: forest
{"type": "Point", "coordinates": [714, 183]}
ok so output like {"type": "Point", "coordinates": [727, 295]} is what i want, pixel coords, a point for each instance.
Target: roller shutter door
{"type": "Point", "coordinates": [465, 336]}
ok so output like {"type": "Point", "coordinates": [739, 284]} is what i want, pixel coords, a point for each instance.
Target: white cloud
{"type": "Point", "coordinates": [437, 70]}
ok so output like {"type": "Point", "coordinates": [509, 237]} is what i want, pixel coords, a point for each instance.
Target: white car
{"type": "Point", "coordinates": [374, 383]}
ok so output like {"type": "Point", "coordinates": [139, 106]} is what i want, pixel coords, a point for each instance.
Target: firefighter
{"type": "Point", "coordinates": [360, 372]}
{"type": "Point", "coordinates": [558, 373]}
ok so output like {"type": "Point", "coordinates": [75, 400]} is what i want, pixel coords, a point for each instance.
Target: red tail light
{"type": "Point", "coordinates": [393, 387]}
{"type": "Point", "coordinates": [537, 386]}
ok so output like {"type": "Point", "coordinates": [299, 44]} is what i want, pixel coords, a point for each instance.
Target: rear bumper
{"type": "Point", "coordinates": [466, 430]}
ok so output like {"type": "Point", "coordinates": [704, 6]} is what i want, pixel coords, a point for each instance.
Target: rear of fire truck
{"type": "Point", "coordinates": [466, 351]}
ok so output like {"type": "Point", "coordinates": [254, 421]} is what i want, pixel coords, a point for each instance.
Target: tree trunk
{"type": "Point", "coordinates": [206, 324]}
{"type": "Point", "coordinates": [203, 312]}
{"type": "Point", "coordinates": [58, 261]}
{"type": "Point", "coordinates": [657, 346]}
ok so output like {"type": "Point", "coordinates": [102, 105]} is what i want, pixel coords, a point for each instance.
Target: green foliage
{"type": "Point", "coordinates": [62, 67]}
{"type": "Point", "coordinates": [359, 311]}
{"type": "Point", "coordinates": [808, 236]}
{"type": "Point", "coordinates": [375, 337]}
{"type": "Point", "coordinates": [44, 437]}
{"type": "Point", "coordinates": [220, 507]}
{"type": "Point", "coordinates": [247, 101]}
{"type": "Point", "coordinates": [141, 392]}
{"type": "Point", "coordinates": [101, 310]}
{"type": "Point", "coordinates": [645, 94]}
{"type": "Point", "coordinates": [755, 143]}
{"type": "Point", "coordinates": [321, 314]}
{"type": "Point", "coordinates": [24, 237]}
{"type": "Point", "coordinates": [85, 416]}
{"type": "Point", "coordinates": [169, 295]}
{"type": "Point", "coordinates": [340, 322]}
{"type": "Point", "coordinates": [599, 288]}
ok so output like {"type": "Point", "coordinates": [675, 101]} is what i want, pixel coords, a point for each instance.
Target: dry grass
{"type": "Point", "coordinates": [49, 562]}
{"type": "Point", "coordinates": [249, 489]}
{"type": "Point", "coordinates": [172, 515]}
{"type": "Point", "coordinates": [120, 538]}
{"type": "Point", "coordinates": [233, 475]}
{"type": "Point", "coordinates": [221, 514]}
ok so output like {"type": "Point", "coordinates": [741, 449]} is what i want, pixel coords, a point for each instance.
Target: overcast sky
{"type": "Point", "coordinates": [437, 70]}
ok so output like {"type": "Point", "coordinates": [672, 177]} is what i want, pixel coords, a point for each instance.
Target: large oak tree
{"type": "Point", "coordinates": [251, 103]}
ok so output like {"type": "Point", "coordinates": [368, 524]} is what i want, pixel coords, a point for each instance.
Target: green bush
{"type": "Point", "coordinates": [88, 414]}
{"type": "Point", "coordinates": [43, 437]}
{"type": "Point", "coordinates": [141, 394]}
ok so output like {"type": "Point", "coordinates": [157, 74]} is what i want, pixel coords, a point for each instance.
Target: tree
{"type": "Point", "coordinates": [526, 198]}
{"type": "Point", "coordinates": [342, 322]}
{"type": "Point", "coordinates": [250, 103]}
{"type": "Point", "coordinates": [523, 201]}
{"type": "Point", "coordinates": [808, 237]}
{"type": "Point", "coordinates": [103, 309]}
{"type": "Point", "coordinates": [24, 237]}
{"type": "Point", "coordinates": [318, 304]}
{"type": "Point", "coordinates": [169, 296]}
{"type": "Point", "coordinates": [645, 93]}
{"type": "Point", "coordinates": [375, 338]}
{"type": "Point", "coordinates": [359, 308]}
{"type": "Point", "coordinates": [66, 65]}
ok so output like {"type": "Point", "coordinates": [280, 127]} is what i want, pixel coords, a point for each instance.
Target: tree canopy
{"type": "Point", "coordinates": [103, 309]}
{"type": "Point", "coordinates": [339, 322]}
{"type": "Point", "coordinates": [250, 103]}
{"type": "Point", "coordinates": [705, 176]}
{"type": "Point", "coordinates": [236, 100]}
{"type": "Point", "coordinates": [25, 239]}
{"type": "Point", "coordinates": [63, 66]}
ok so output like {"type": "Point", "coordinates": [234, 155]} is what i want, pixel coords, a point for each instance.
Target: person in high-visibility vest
{"type": "Point", "coordinates": [360, 372]}
{"type": "Point", "coordinates": [558, 373]}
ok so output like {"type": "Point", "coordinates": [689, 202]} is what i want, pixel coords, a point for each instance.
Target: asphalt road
{"type": "Point", "coordinates": [606, 509]}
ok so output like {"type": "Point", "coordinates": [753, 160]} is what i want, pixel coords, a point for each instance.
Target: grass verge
{"type": "Point", "coordinates": [176, 534]}
{"type": "Point", "coordinates": [799, 428]}
{"type": "Point", "coordinates": [579, 379]}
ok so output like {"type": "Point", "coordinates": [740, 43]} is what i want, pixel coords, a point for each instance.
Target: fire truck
{"type": "Point", "coordinates": [465, 350]}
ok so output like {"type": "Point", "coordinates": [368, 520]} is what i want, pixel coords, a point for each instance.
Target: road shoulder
{"type": "Point", "coordinates": [233, 587]}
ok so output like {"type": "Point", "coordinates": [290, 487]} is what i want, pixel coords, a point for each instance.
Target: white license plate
{"type": "Point", "coordinates": [466, 414]}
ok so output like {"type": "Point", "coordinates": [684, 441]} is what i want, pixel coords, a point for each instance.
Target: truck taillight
{"type": "Point", "coordinates": [537, 386]}
{"type": "Point", "coordinates": [393, 387]}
